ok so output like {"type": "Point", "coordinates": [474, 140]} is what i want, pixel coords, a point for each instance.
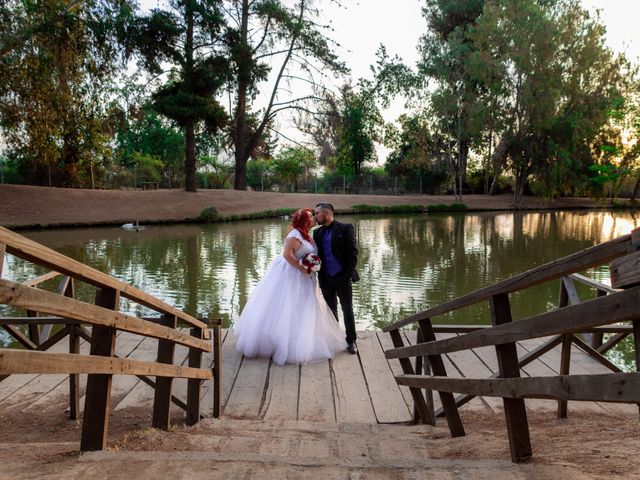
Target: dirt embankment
{"type": "Point", "coordinates": [24, 206]}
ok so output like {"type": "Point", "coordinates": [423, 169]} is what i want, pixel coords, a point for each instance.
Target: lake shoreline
{"type": "Point", "coordinates": [31, 207]}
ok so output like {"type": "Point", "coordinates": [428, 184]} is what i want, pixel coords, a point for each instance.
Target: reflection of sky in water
{"type": "Point", "coordinates": [407, 262]}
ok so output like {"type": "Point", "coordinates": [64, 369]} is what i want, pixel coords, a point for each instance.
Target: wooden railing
{"type": "Point", "coordinates": [46, 311]}
{"type": "Point", "coordinates": [603, 314]}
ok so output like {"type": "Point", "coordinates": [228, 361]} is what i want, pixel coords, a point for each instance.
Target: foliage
{"type": "Point", "coordinates": [57, 59]}
{"type": "Point", "coordinates": [260, 35]}
{"type": "Point", "coordinates": [209, 215]}
{"type": "Point", "coordinates": [181, 37]}
{"type": "Point", "coordinates": [291, 163]}
{"type": "Point", "coordinates": [439, 207]}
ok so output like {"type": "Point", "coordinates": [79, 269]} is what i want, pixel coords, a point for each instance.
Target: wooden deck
{"type": "Point", "coordinates": [350, 388]}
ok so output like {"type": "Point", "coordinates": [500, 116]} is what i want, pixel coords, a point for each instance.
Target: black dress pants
{"type": "Point", "coordinates": [339, 287]}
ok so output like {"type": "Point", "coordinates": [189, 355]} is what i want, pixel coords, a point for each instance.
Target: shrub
{"type": "Point", "coordinates": [210, 215]}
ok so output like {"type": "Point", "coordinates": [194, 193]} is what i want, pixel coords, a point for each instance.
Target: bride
{"type": "Point", "coordinates": [286, 317]}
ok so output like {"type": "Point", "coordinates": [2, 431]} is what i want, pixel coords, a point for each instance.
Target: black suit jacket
{"type": "Point", "coordinates": [343, 245]}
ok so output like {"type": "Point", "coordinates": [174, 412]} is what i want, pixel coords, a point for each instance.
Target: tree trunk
{"type": "Point", "coordinates": [244, 72]}
{"type": "Point", "coordinates": [190, 135]}
{"type": "Point", "coordinates": [190, 159]}
{"type": "Point", "coordinates": [636, 189]}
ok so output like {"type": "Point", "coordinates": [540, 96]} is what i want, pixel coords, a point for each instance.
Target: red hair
{"type": "Point", "coordinates": [302, 222]}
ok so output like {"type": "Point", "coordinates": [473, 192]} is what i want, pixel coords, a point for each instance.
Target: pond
{"type": "Point", "coordinates": [407, 262]}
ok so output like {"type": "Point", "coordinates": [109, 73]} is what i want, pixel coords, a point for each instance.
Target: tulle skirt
{"type": "Point", "coordinates": [287, 318]}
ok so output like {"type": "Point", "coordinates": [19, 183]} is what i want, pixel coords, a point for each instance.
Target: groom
{"type": "Point", "coordinates": [337, 249]}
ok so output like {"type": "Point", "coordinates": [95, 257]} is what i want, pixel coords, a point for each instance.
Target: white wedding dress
{"type": "Point", "coordinates": [286, 317]}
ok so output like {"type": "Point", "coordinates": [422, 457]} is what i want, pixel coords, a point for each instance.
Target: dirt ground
{"type": "Point", "coordinates": [584, 446]}
{"type": "Point", "coordinates": [26, 206]}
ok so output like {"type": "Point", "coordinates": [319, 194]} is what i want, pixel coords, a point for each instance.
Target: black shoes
{"type": "Point", "coordinates": [351, 348]}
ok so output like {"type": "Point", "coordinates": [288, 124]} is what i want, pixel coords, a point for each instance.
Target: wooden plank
{"type": "Point", "coordinates": [193, 386]}
{"type": "Point", "coordinates": [20, 337]}
{"type": "Point", "coordinates": [387, 400]}
{"type": "Point", "coordinates": [610, 387]}
{"type": "Point", "coordinates": [216, 370]}
{"type": "Point", "coordinates": [140, 394]}
{"type": "Point", "coordinates": [74, 378]}
{"type": "Point", "coordinates": [352, 400]}
{"type": "Point", "coordinates": [565, 365]}
{"type": "Point", "coordinates": [577, 262]}
{"type": "Point", "coordinates": [396, 369]}
{"type": "Point", "coordinates": [515, 411]}
{"type": "Point", "coordinates": [95, 424]}
{"type": "Point", "coordinates": [231, 361]}
{"type": "Point", "coordinates": [592, 283]}
{"type": "Point", "coordinates": [449, 406]}
{"type": "Point", "coordinates": [3, 249]}
{"type": "Point", "coordinates": [16, 295]}
{"type": "Point", "coordinates": [617, 307]}
{"type": "Point", "coordinates": [29, 250]}
{"type": "Point", "coordinates": [281, 399]}
{"type": "Point", "coordinates": [41, 279]}
{"type": "Point", "coordinates": [162, 395]}
{"type": "Point", "coordinates": [625, 271]}
{"type": "Point", "coordinates": [316, 402]}
{"type": "Point", "coordinates": [424, 415]}
{"type": "Point", "coordinates": [22, 361]}
{"type": "Point", "coordinates": [248, 391]}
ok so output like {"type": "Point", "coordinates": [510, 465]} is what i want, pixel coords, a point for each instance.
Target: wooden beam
{"type": "Point", "coordinates": [162, 395]}
{"type": "Point", "coordinates": [20, 337]}
{"type": "Point", "coordinates": [607, 387]}
{"type": "Point", "coordinates": [515, 412]}
{"type": "Point", "coordinates": [23, 361]}
{"type": "Point", "coordinates": [593, 353]}
{"type": "Point", "coordinates": [16, 295]}
{"type": "Point", "coordinates": [194, 385]}
{"type": "Point", "coordinates": [611, 342]}
{"type": "Point", "coordinates": [617, 307]}
{"type": "Point", "coordinates": [407, 368]}
{"type": "Point", "coordinates": [572, 293]}
{"type": "Point", "coordinates": [38, 280]}
{"type": "Point", "coordinates": [2, 251]}
{"type": "Point", "coordinates": [74, 378]}
{"type": "Point", "coordinates": [625, 271]}
{"type": "Point", "coordinates": [34, 252]}
{"type": "Point", "coordinates": [601, 287]}
{"type": "Point", "coordinates": [590, 257]}
{"type": "Point", "coordinates": [97, 402]}
{"type": "Point", "coordinates": [565, 365]}
{"type": "Point", "coordinates": [446, 398]}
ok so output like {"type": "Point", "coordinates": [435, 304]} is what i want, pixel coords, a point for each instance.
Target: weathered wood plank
{"type": "Point", "coordinates": [592, 283]}
{"type": "Point", "coordinates": [161, 417]}
{"type": "Point", "coordinates": [16, 295]}
{"type": "Point", "coordinates": [29, 250]}
{"type": "Point", "coordinates": [41, 279]}
{"type": "Point", "coordinates": [22, 361]}
{"type": "Point", "coordinates": [610, 387]}
{"type": "Point", "coordinates": [140, 394]}
{"type": "Point", "coordinates": [352, 400]}
{"type": "Point", "coordinates": [231, 361]}
{"type": "Point", "coordinates": [281, 398]}
{"type": "Point", "coordinates": [387, 400]}
{"type": "Point", "coordinates": [316, 403]}
{"type": "Point", "coordinates": [249, 389]}
{"type": "Point", "coordinates": [625, 271]}
{"type": "Point", "coordinates": [617, 307]}
{"type": "Point", "coordinates": [396, 369]}
{"type": "Point", "coordinates": [577, 262]}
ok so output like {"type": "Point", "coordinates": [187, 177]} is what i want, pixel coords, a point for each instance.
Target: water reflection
{"type": "Point", "coordinates": [407, 263]}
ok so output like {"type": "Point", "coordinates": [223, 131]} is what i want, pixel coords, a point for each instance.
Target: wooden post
{"type": "Point", "coordinates": [423, 367]}
{"type": "Point", "coordinates": [636, 346]}
{"type": "Point", "coordinates": [162, 395]}
{"type": "Point", "coordinates": [446, 398]}
{"type": "Point", "coordinates": [565, 366]}
{"type": "Point", "coordinates": [217, 370]}
{"type": "Point", "coordinates": [3, 248]}
{"type": "Point", "coordinates": [596, 338]}
{"type": "Point", "coordinates": [74, 378]}
{"type": "Point", "coordinates": [95, 426]}
{"type": "Point", "coordinates": [407, 368]}
{"type": "Point", "coordinates": [514, 409]}
{"type": "Point", "coordinates": [194, 384]}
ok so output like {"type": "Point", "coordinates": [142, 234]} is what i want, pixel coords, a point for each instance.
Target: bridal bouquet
{"type": "Point", "coordinates": [311, 262]}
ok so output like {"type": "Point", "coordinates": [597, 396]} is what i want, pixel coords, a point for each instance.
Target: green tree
{"type": "Point", "coordinates": [291, 163]}
{"type": "Point", "coordinates": [185, 37]}
{"type": "Point", "coordinates": [262, 35]}
{"type": "Point", "coordinates": [558, 86]}
{"type": "Point", "coordinates": [57, 62]}
{"type": "Point", "coordinates": [455, 95]}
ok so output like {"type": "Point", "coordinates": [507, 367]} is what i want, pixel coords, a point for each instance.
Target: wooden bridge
{"type": "Point", "coordinates": [372, 387]}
